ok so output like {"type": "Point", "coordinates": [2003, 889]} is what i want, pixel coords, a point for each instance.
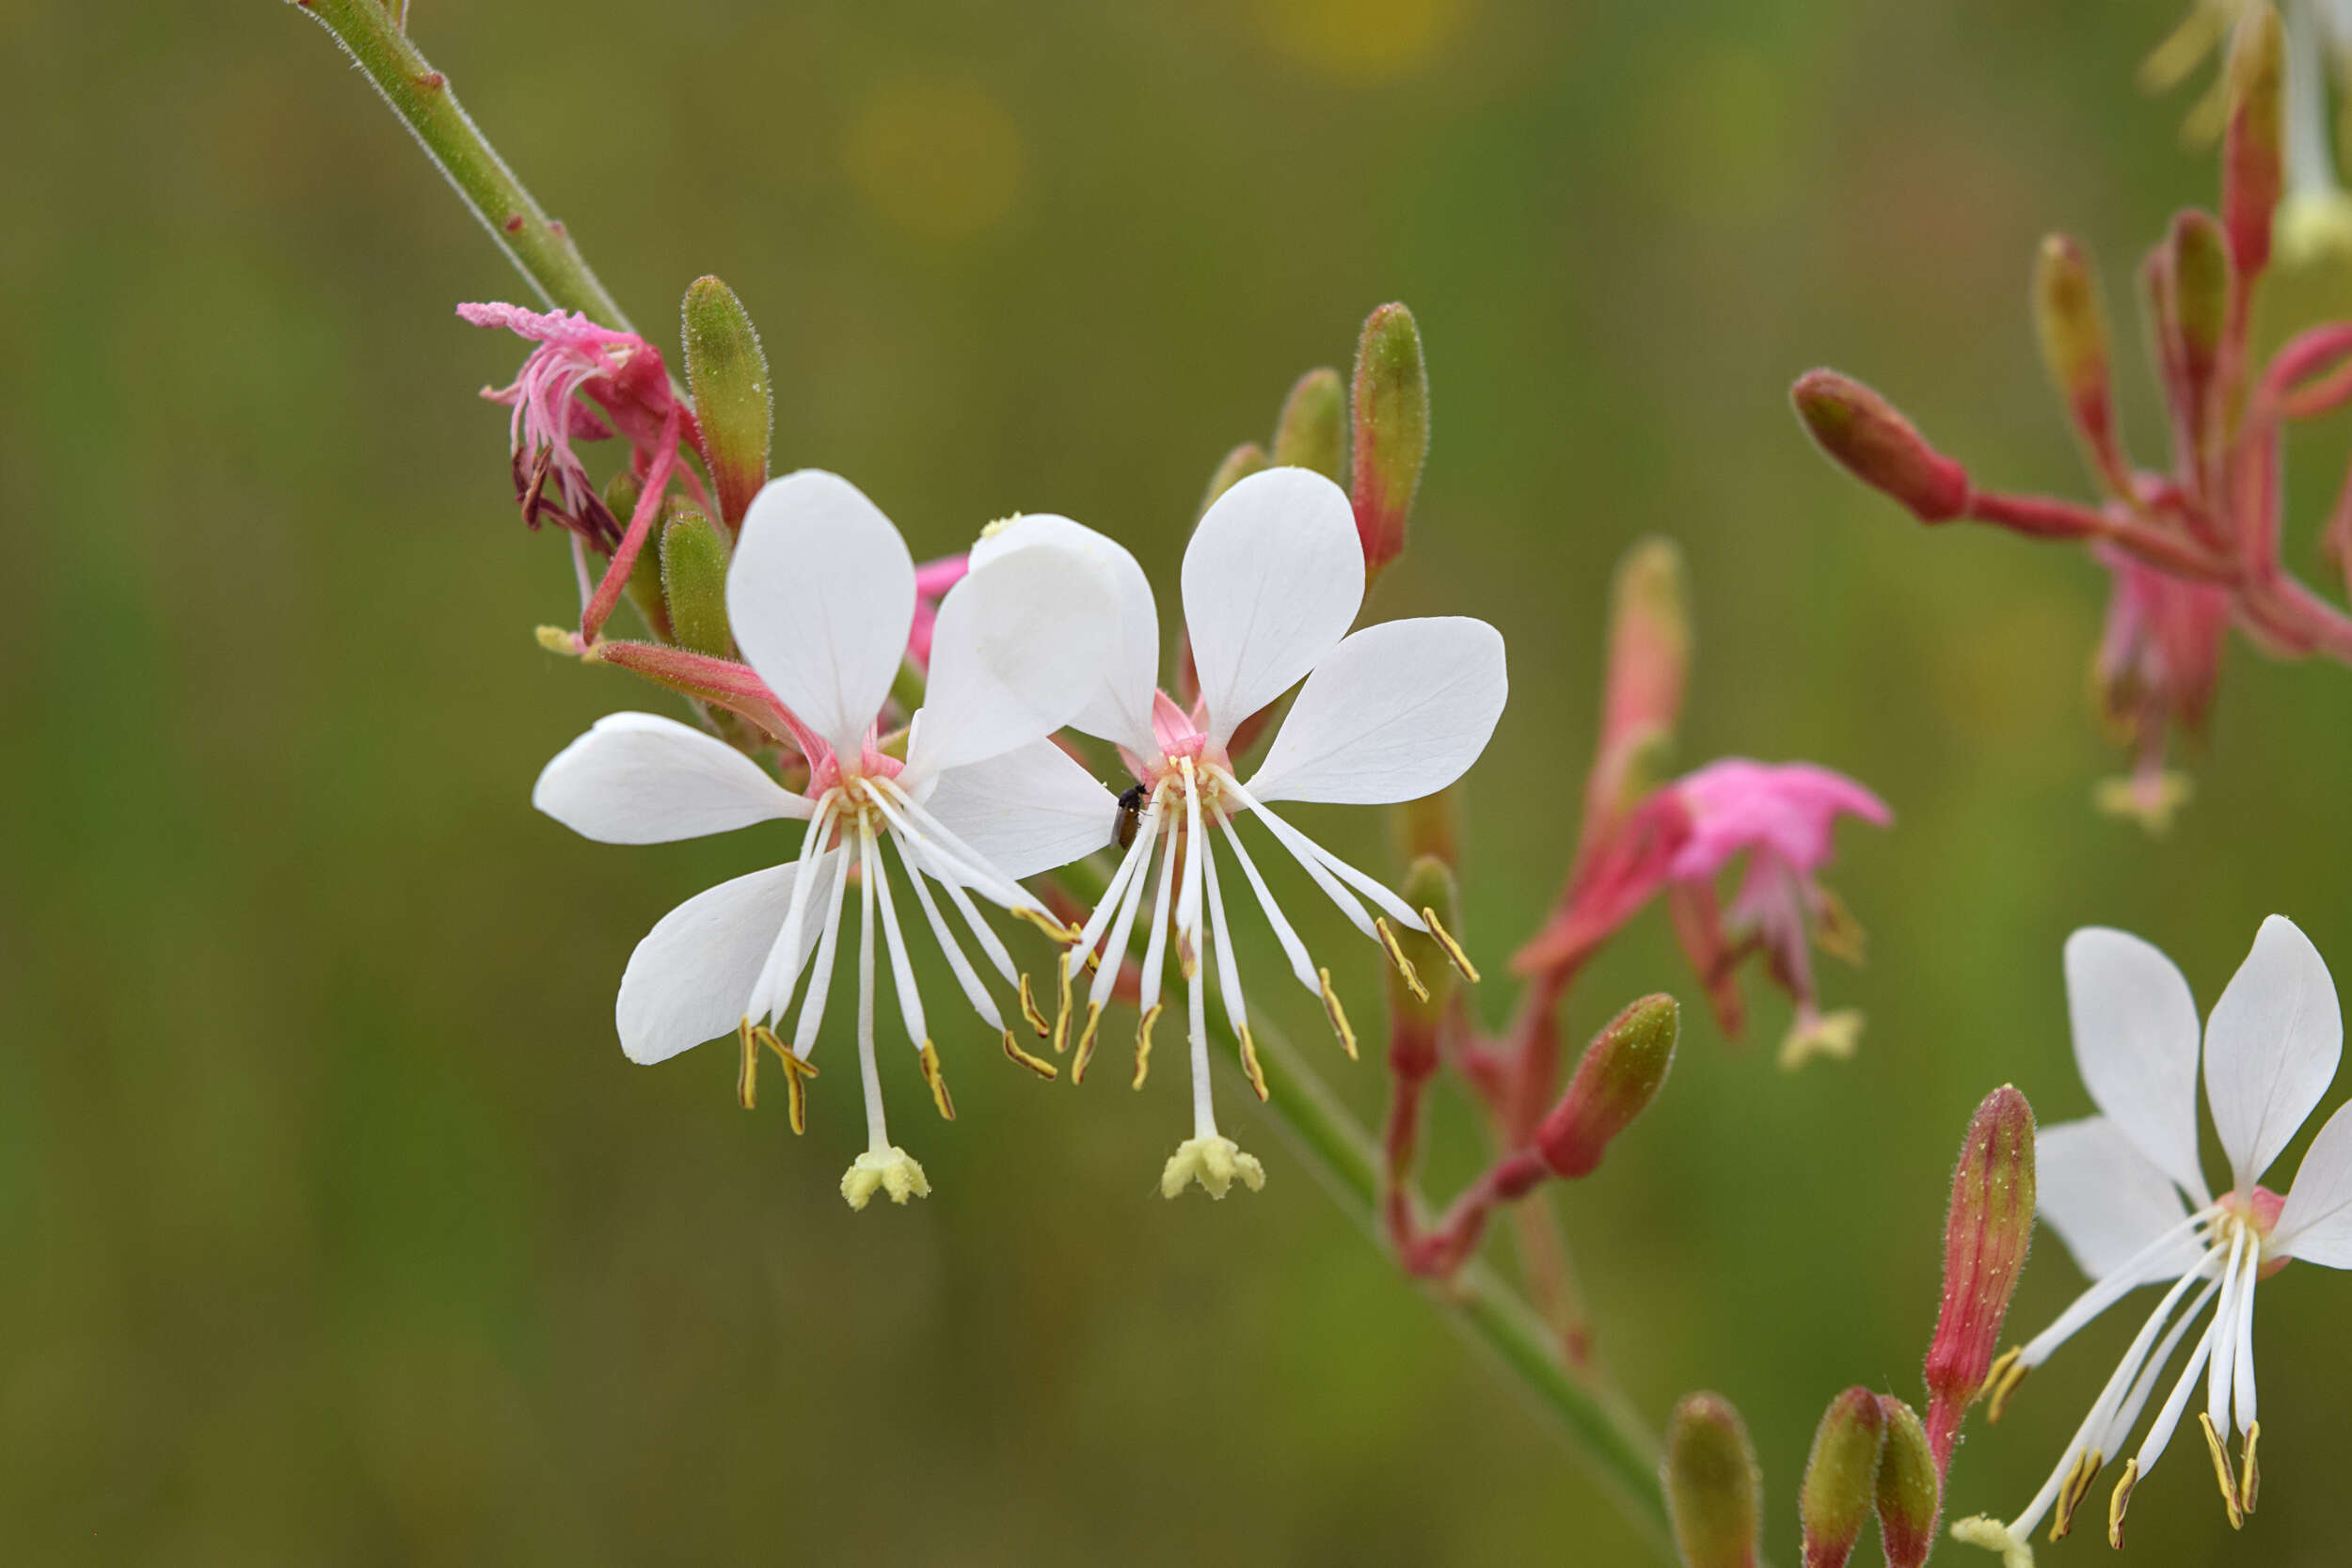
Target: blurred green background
{"type": "Point", "coordinates": [335, 1227]}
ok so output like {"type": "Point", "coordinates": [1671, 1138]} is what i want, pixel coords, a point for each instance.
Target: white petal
{"type": "Point", "coordinates": [691, 979]}
{"type": "Point", "coordinates": [2316, 1223]}
{"type": "Point", "coordinates": [821, 595]}
{"type": "Point", "coordinates": [2107, 1202]}
{"type": "Point", "coordinates": [1395, 712]}
{"type": "Point", "coordinates": [2271, 1047]}
{"type": "Point", "coordinates": [638, 778]}
{"type": "Point", "coordinates": [2135, 1027]}
{"type": "Point", "coordinates": [1120, 708]}
{"type": "Point", "coordinates": [1018, 650]}
{"type": "Point", "coordinates": [1028, 811]}
{"type": "Point", "coordinates": [1273, 579]}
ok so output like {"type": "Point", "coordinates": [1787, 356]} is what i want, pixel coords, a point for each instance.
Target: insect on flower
{"type": "Point", "coordinates": [821, 594]}
{"type": "Point", "coordinates": [1272, 581]}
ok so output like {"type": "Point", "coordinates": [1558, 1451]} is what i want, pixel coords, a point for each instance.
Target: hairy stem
{"type": "Point", "coordinates": [538, 245]}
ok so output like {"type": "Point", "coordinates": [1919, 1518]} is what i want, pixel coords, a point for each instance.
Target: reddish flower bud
{"type": "Point", "coordinates": [1987, 1231]}
{"type": "Point", "coordinates": [1312, 432]}
{"type": "Point", "coordinates": [1862, 431]}
{"type": "Point", "coordinates": [1417, 1006]}
{"type": "Point", "coordinates": [2072, 322]}
{"type": "Point", "coordinates": [1714, 1492]}
{"type": "Point", "coordinates": [727, 371]}
{"type": "Point", "coordinates": [1391, 432]}
{"type": "Point", "coordinates": [1649, 663]}
{"type": "Point", "coordinates": [1909, 1489]}
{"type": "Point", "coordinates": [2253, 161]}
{"type": "Point", "coordinates": [1840, 1478]}
{"type": "Point", "coordinates": [1621, 1073]}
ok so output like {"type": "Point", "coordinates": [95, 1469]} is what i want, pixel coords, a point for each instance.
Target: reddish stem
{"type": "Point", "coordinates": [650, 498]}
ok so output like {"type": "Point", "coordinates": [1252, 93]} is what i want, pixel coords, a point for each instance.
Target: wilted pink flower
{"type": "Point", "coordinates": [2158, 662]}
{"type": "Point", "coordinates": [618, 371]}
{"type": "Point", "coordinates": [1780, 817]}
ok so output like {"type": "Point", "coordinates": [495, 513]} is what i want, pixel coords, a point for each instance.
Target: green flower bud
{"type": "Point", "coordinates": [1910, 1492]}
{"type": "Point", "coordinates": [1313, 429]}
{"type": "Point", "coordinates": [2201, 280]}
{"type": "Point", "coordinates": [1621, 1073]}
{"type": "Point", "coordinates": [2072, 322]}
{"type": "Point", "coordinates": [1840, 1478]}
{"type": "Point", "coordinates": [1987, 1231]}
{"type": "Point", "coordinates": [1391, 432]}
{"type": "Point", "coordinates": [726, 371]}
{"type": "Point", "coordinates": [1714, 1492]}
{"type": "Point", "coordinates": [1243, 461]}
{"type": "Point", "coordinates": [1418, 995]}
{"type": "Point", "coordinates": [694, 580]}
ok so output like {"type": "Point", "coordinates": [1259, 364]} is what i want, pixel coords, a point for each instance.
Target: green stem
{"type": "Point", "coordinates": [538, 245]}
{"type": "Point", "coordinates": [1612, 1440]}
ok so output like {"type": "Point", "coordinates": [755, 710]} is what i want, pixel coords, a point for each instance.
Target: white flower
{"type": "Point", "coordinates": [2126, 1193]}
{"type": "Point", "coordinates": [1272, 581]}
{"type": "Point", "coordinates": [821, 594]}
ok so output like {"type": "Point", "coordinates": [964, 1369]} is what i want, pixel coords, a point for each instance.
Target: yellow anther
{"type": "Point", "coordinates": [796, 1074]}
{"type": "Point", "coordinates": [1250, 1064]}
{"type": "Point", "coordinates": [747, 1075]}
{"type": "Point", "coordinates": [1396, 955]}
{"type": "Point", "coordinates": [2249, 1476]}
{"type": "Point", "coordinates": [1836, 931]}
{"type": "Point", "coordinates": [1444, 939]}
{"type": "Point", "coordinates": [2119, 1501]}
{"type": "Point", "coordinates": [2002, 1381]}
{"type": "Point", "coordinates": [1061, 1007]}
{"type": "Point", "coordinates": [1029, 1009]}
{"type": "Point", "coordinates": [2222, 1472]}
{"type": "Point", "coordinates": [2077, 1487]}
{"type": "Point", "coordinates": [1038, 1064]}
{"type": "Point", "coordinates": [1337, 1013]}
{"type": "Point", "coordinates": [1085, 1043]}
{"type": "Point", "coordinates": [1143, 1043]}
{"type": "Point", "coordinates": [1047, 924]}
{"type": "Point", "coordinates": [938, 1082]}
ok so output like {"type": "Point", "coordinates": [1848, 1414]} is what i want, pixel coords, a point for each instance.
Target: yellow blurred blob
{"type": "Point", "coordinates": [1363, 41]}
{"type": "Point", "coordinates": [938, 158]}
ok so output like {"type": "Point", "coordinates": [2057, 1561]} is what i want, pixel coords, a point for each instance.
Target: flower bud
{"type": "Point", "coordinates": [1313, 429]}
{"type": "Point", "coordinates": [695, 581]}
{"type": "Point", "coordinates": [2195, 313]}
{"type": "Point", "coordinates": [1909, 1490]}
{"type": "Point", "coordinates": [727, 371]}
{"type": "Point", "coordinates": [1239, 464]}
{"type": "Point", "coordinates": [2072, 322]}
{"type": "Point", "coordinates": [1414, 1014]}
{"type": "Point", "coordinates": [1987, 1231]}
{"type": "Point", "coordinates": [2253, 165]}
{"type": "Point", "coordinates": [1649, 661]}
{"type": "Point", "coordinates": [1840, 1478]}
{"type": "Point", "coordinates": [1391, 432]}
{"type": "Point", "coordinates": [1621, 1073]}
{"type": "Point", "coordinates": [1713, 1490]}
{"type": "Point", "coordinates": [1862, 431]}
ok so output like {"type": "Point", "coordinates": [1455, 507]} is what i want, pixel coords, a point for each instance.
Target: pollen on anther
{"type": "Point", "coordinates": [2002, 1381]}
{"type": "Point", "coordinates": [1337, 1014]}
{"type": "Point", "coordinates": [1250, 1064]}
{"type": "Point", "coordinates": [2119, 1501]}
{"type": "Point", "coordinates": [1444, 939]}
{"type": "Point", "coordinates": [1030, 1010]}
{"type": "Point", "coordinates": [1143, 1043]}
{"type": "Point", "coordinates": [2250, 1475]}
{"type": "Point", "coordinates": [1086, 1042]}
{"type": "Point", "coordinates": [2222, 1474]}
{"type": "Point", "coordinates": [1038, 1064]}
{"type": "Point", "coordinates": [938, 1082]}
{"type": "Point", "coordinates": [1404, 964]}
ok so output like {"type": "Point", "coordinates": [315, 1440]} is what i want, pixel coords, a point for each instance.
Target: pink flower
{"type": "Point", "coordinates": [1780, 817]}
{"type": "Point", "coordinates": [931, 581]}
{"type": "Point", "coordinates": [2158, 665]}
{"type": "Point", "coordinates": [618, 371]}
